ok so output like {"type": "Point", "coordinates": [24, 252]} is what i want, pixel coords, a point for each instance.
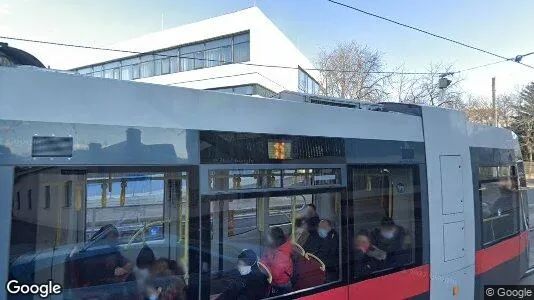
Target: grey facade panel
{"type": "Point", "coordinates": [99, 144]}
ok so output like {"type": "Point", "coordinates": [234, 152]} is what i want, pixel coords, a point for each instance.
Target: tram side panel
{"type": "Point", "coordinates": [501, 232]}
{"type": "Point", "coordinates": [450, 204]}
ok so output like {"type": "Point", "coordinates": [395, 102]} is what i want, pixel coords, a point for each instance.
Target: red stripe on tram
{"type": "Point", "coordinates": [399, 285]}
{"type": "Point", "coordinates": [491, 257]}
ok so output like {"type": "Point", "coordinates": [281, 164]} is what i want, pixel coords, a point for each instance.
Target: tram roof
{"type": "Point", "coordinates": [30, 94]}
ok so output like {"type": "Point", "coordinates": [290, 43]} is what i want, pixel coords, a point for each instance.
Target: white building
{"type": "Point", "coordinates": [228, 53]}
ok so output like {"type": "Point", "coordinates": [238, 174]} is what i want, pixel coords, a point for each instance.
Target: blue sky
{"type": "Point", "coordinates": [498, 26]}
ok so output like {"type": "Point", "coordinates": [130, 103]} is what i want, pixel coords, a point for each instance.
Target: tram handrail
{"type": "Point", "coordinates": [143, 229]}
{"type": "Point", "coordinates": [323, 266]}
{"type": "Point", "coordinates": [269, 275]}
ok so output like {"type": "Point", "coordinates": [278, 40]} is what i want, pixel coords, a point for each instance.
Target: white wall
{"type": "Point", "coordinates": [268, 46]}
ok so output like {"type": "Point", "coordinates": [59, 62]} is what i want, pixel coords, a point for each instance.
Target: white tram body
{"type": "Point", "coordinates": [76, 152]}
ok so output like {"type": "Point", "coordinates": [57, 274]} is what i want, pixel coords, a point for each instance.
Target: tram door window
{"type": "Point", "coordinates": [386, 219]}
{"type": "Point", "coordinates": [499, 204]}
{"type": "Point", "coordinates": [95, 232]}
{"type": "Point", "coordinates": [244, 221]}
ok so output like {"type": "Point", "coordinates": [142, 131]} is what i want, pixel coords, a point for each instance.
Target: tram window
{"type": "Point", "coordinates": [51, 244]}
{"type": "Point", "coordinates": [245, 215]}
{"type": "Point", "coordinates": [128, 200]}
{"type": "Point", "coordinates": [244, 179]}
{"type": "Point", "coordinates": [281, 208]}
{"type": "Point", "coordinates": [499, 203]}
{"type": "Point", "coordinates": [385, 219]}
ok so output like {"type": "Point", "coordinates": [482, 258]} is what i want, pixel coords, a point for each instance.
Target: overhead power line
{"type": "Point", "coordinates": [203, 59]}
{"type": "Point", "coordinates": [244, 63]}
{"type": "Point", "coordinates": [425, 32]}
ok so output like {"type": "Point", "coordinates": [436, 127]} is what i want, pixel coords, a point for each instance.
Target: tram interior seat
{"type": "Point", "coordinates": [265, 270]}
{"type": "Point", "coordinates": [310, 271]}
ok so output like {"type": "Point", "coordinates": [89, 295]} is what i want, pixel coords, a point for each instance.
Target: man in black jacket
{"type": "Point", "coordinates": [329, 249]}
{"type": "Point", "coordinates": [250, 283]}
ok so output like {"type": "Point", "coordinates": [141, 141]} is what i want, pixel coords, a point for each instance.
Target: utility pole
{"type": "Point", "coordinates": [493, 101]}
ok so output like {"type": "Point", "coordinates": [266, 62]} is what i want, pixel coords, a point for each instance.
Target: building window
{"type": "Point", "coordinates": [199, 55]}
{"type": "Point", "coordinates": [98, 71]}
{"type": "Point", "coordinates": [29, 199]}
{"type": "Point", "coordinates": [48, 196]}
{"type": "Point", "coordinates": [68, 194]}
{"type": "Point", "coordinates": [307, 84]}
{"type": "Point", "coordinates": [242, 48]}
{"type": "Point", "coordinates": [147, 66]}
{"type": "Point", "coordinates": [499, 202]}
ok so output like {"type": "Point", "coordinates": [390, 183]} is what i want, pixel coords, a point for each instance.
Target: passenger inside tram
{"type": "Point", "coordinates": [389, 237]}
{"type": "Point", "coordinates": [314, 241]}
{"type": "Point", "coordinates": [277, 258]}
{"type": "Point", "coordinates": [102, 261]}
{"type": "Point", "coordinates": [367, 258]}
{"type": "Point", "coordinates": [251, 283]}
{"type": "Point", "coordinates": [329, 249]}
{"type": "Point", "coordinates": [144, 262]}
{"type": "Point", "coordinates": [310, 213]}
{"type": "Point", "coordinates": [166, 281]}
{"type": "Point", "coordinates": [301, 231]}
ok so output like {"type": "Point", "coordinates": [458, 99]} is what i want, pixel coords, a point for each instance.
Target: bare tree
{"type": "Point", "coordinates": [424, 89]}
{"type": "Point", "coordinates": [478, 110]}
{"type": "Point", "coordinates": [523, 121]}
{"type": "Point", "coordinates": [350, 70]}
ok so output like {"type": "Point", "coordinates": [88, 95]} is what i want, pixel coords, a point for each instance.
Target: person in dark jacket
{"type": "Point", "coordinates": [390, 238]}
{"type": "Point", "coordinates": [329, 249]}
{"type": "Point", "coordinates": [102, 262]}
{"type": "Point", "coordinates": [367, 258]}
{"type": "Point", "coordinates": [313, 242]}
{"type": "Point", "coordinates": [310, 214]}
{"type": "Point", "coordinates": [301, 231]}
{"type": "Point", "coordinates": [250, 284]}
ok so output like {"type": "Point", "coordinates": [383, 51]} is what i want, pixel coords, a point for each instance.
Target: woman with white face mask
{"type": "Point", "coordinates": [250, 283]}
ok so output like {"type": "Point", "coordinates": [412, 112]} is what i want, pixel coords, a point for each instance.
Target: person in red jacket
{"type": "Point", "coordinates": [277, 258]}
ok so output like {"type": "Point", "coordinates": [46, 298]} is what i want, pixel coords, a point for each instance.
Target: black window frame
{"type": "Point", "coordinates": [418, 259]}
{"type": "Point", "coordinates": [47, 196]}
{"type": "Point", "coordinates": [30, 199]}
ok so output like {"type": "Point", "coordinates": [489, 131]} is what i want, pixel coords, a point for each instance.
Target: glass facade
{"type": "Point", "coordinates": [307, 84]}
{"type": "Point", "coordinates": [205, 54]}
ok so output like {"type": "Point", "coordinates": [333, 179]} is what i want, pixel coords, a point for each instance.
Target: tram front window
{"type": "Point", "coordinates": [265, 225]}
{"type": "Point", "coordinates": [102, 232]}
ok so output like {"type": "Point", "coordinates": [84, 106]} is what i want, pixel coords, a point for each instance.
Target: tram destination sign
{"type": "Point", "coordinates": [251, 148]}
{"type": "Point", "coordinates": [279, 149]}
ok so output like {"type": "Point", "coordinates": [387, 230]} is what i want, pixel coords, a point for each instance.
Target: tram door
{"type": "Point", "coordinates": [61, 214]}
